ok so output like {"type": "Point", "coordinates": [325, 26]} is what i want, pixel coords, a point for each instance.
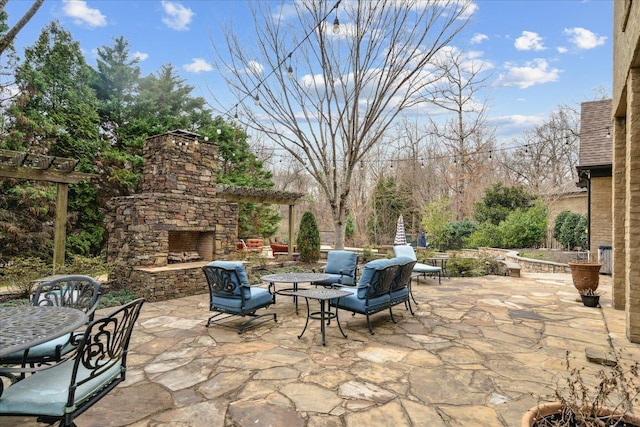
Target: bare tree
{"type": "Point", "coordinates": [350, 85]}
{"type": "Point", "coordinates": [465, 134]}
{"type": "Point", "coordinates": [7, 38]}
{"type": "Point", "coordinates": [546, 156]}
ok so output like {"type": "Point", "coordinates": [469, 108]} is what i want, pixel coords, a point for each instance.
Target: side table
{"type": "Point", "coordinates": [323, 295]}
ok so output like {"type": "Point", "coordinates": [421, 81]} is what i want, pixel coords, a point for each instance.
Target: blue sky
{"type": "Point", "coordinates": [540, 53]}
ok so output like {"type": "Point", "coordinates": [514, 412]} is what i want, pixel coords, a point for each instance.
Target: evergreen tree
{"type": "Point", "coordinates": [55, 115]}
{"type": "Point", "coordinates": [238, 165]}
{"type": "Point", "coordinates": [308, 240]}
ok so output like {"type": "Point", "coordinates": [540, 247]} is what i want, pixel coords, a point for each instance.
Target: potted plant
{"type": "Point", "coordinates": [590, 298]}
{"type": "Point", "coordinates": [607, 403]}
{"type": "Point", "coordinates": [585, 275]}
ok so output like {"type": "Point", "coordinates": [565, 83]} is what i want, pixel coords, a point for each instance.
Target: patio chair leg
{"type": "Point", "coordinates": [369, 325]}
{"type": "Point", "coordinates": [391, 315]}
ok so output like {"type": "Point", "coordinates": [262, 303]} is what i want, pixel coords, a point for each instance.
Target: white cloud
{"type": "Point", "coordinates": [198, 65]}
{"type": "Point", "coordinates": [562, 49]}
{"type": "Point", "coordinates": [529, 41]}
{"type": "Point", "coordinates": [531, 73]}
{"type": "Point", "coordinates": [177, 17]}
{"type": "Point", "coordinates": [513, 125]}
{"type": "Point", "coordinates": [583, 38]}
{"type": "Point", "coordinates": [140, 56]}
{"type": "Point", "coordinates": [255, 67]}
{"type": "Point", "coordinates": [83, 14]}
{"type": "Point", "coordinates": [479, 38]}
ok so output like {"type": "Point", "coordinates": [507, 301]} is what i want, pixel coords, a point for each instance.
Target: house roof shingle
{"type": "Point", "coordinates": [595, 134]}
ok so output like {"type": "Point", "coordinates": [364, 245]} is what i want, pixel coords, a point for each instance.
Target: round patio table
{"type": "Point", "coordinates": [294, 279]}
{"type": "Point", "coordinates": [22, 327]}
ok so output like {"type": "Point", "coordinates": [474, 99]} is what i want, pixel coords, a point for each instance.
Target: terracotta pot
{"type": "Point", "coordinates": [545, 409]}
{"type": "Point", "coordinates": [585, 276]}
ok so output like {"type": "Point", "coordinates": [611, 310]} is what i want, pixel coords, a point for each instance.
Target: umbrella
{"type": "Point", "coordinates": [401, 238]}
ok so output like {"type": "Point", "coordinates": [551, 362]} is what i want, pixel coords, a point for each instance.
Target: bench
{"type": "Point", "coordinates": [513, 268]}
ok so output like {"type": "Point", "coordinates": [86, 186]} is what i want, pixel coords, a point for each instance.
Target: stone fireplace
{"type": "Point", "coordinates": [161, 238]}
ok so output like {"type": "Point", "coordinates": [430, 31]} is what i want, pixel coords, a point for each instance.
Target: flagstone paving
{"type": "Point", "coordinates": [478, 352]}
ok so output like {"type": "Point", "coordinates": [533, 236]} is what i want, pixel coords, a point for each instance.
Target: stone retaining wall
{"type": "Point", "coordinates": [527, 265]}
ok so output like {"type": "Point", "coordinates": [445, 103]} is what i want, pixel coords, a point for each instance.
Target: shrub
{"type": "Point", "coordinates": [524, 228]}
{"type": "Point", "coordinates": [435, 218]}
{"type": "Point", "coordinates": [486, 234]}
{"type": "Point", "coordinates": [570, 229]}
{"type": "Point", "coordinates": [499, 201]}
{"type": "Point", "coordinates": [456, 232]}
{"type": "Point", "coordinates": [472, 267]}
{"type": "Point", "coordinates": [308, 239]}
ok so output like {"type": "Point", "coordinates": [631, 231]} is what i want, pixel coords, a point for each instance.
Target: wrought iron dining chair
{"type": "Point", "coordinates": [63, 392]}
{"type": "Point", "coordinates": [231, 294]}
{"type": "Point", "coordinates": [76, 291]}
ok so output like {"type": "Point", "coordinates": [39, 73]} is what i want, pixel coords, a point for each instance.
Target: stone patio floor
{"type": "Point", "coordinates": [478, 352]}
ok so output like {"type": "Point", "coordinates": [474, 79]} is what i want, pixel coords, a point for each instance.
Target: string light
{"type": "Point", "coordinates": [336, 29]}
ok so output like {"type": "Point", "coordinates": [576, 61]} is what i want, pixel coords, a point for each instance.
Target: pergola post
{"type": "Point", "coordinates": [59, 239]}
{"type": "Point", "coordinates": [291, 225]}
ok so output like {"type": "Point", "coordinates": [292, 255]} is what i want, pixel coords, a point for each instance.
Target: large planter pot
{"type": "Point", "coordinates": [543, 410]}
{"type": "Point", "coordinates": [586, 276]}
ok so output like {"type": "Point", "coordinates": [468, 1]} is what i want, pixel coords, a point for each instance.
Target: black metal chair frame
{"type": "Point", "coordinates": [223, 282]}
{"type": "Point", "coordinates": [404, 275]}
{"type": "Point", "coordinates": [104, 344]}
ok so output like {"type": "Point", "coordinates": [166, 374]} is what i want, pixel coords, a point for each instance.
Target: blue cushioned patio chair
{"type": "Point", "coordinates": [231, 295]}
{"type": "Point", "coordinates": [342, 268]}
{"type": "Point", "coordinates": [64, 391]}
{"type": "Point", "coordinates": [420, 268]}
{"type": "Point", "coordinates": [81, 292]}
{"type": "Point", "coordinates": [372, 294]}
{"type": "Point", "coordinates": [401, 286]}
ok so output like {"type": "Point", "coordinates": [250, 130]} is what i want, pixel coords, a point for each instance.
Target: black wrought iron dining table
{"type": "Point", "coordinates": [22, 327]}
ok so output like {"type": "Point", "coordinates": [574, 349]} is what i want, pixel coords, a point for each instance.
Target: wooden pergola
{"type": "Point", "coordinates": [60, 170]}
{"type": "Point", "coordinates": [261, 195]}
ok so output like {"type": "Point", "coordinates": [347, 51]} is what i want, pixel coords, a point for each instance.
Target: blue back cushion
{"type": "Point", "coordinates": [238, 267]}
{"type": "Point", "coordinates": [344, 261]}
{"type": "Point", "coordinates": [369, 275]}
{"type": "Point", "coordinates": [404, 251]}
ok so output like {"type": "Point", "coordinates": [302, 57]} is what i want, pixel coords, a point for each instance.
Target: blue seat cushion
{"type": "Point", "coordinates": [46, 349]}
{"type": "Point", "coordinates": [46, 392]}
{"type": "Point", "coordinates": [238, 267]}
{"type": "Point", "coordinates": [425, 268]}
{"type": "Point", "coordinates": [259, 298]}
{"type": "Point", "coordinates": [354, 303]}
{"type": "Point", "coordinates": [369, 274]}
